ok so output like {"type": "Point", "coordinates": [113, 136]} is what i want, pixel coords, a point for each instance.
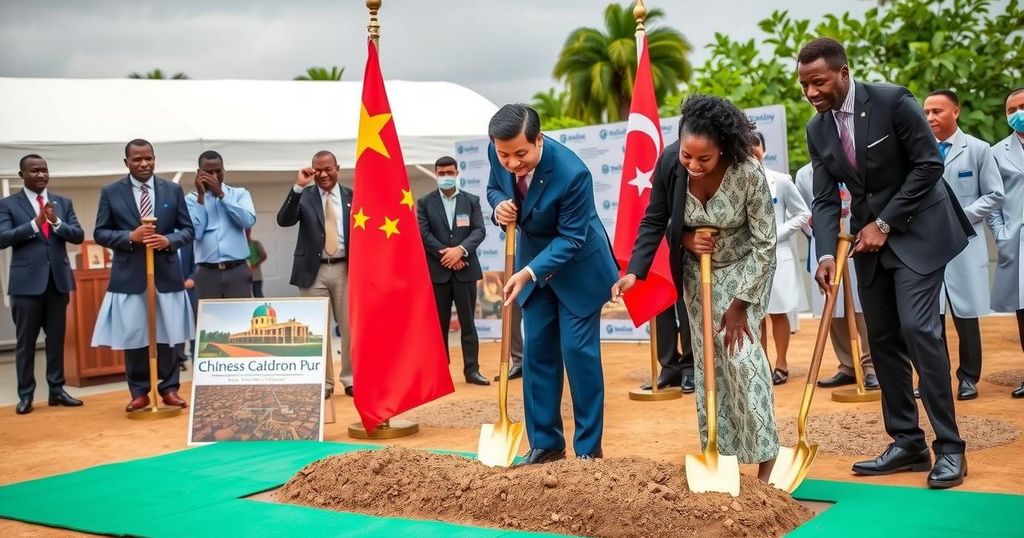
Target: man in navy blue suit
{"type": "Point", "coordinates": [37, 225]}
{"type": "Point", "coordinates": [564, 271]}
{"type": "Point", "coordinates": [121, 322]}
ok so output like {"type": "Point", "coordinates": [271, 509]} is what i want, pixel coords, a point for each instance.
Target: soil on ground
{"type": "Point", "coordinates": [613, 497]}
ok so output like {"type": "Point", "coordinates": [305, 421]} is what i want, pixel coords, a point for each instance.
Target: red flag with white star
{"type": "Point", "coordinates": [643, 146]}
{"type": "Point", "coordinates": [398, 357]}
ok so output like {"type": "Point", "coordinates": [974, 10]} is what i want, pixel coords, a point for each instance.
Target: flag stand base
{"type": "Point", "coordinates": [391, 429]}
{"type": "Point", "coordinates": [856, 395]}
{"type": "Point", "coordinates": [648, 395]}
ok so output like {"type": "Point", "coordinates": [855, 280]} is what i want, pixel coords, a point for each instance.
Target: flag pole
{"type": "Point", "coordinates": [389, 429]}
{"type": "Point", "coordinates": [654, 394]}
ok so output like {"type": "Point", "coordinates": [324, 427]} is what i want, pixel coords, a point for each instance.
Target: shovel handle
{"type": "Point", "coordinates": [842, 254]}
{"type": "Point", "coordinates": [506, 325]}
{"type": "Point", "coordinates": [851, 323]}
{"type": "Point", "coordinates": [711, 407]}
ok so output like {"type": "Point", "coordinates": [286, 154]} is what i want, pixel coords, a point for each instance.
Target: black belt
{"type": "Point", "coordinates": [332, 261]}
{"type": "Point", "coordinates": [222, 265]}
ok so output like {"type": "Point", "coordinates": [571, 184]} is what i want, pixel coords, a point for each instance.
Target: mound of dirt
{"type": "Point", "coordinates": [864, 432]}
{"type": "Point", "coordinates": [1006, 378]}
{"type": "Point", "coordinates": [614, 497]}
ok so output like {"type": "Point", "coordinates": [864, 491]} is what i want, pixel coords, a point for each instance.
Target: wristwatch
{"type": "Point", "coordinates": [882, 225]}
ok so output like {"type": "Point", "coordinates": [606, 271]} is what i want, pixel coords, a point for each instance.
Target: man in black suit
{"type": "Point", "coordinates": [321, 207]}
{"type": "Point", "coordinates": [37, 225]}
{"type": "Point", "coordinates": [874, 138]}
{"type": "Point", "coordinates": [186, 254]}
{"type": "Point", "coordinates": [121, 322]}
{"type": "Point", "coordinates": [452, 225]}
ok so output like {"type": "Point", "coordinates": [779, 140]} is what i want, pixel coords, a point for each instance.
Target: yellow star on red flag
{"type": "Point", "coordinates": [360, 218]}
{"type": "Point", "coordinates": [407, 199]}
{"type": "Point", "coordinates": [369, 133]}
{"type": "Point", "coordinates": [390, 227]}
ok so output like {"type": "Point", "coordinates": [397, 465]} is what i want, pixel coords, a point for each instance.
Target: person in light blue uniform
{"type": "Point", "coordinates": [564, 273]}
{"type": "Point", "coordinates": [220, 215]}
{"type": "Point", "coordinates": [122, 319]}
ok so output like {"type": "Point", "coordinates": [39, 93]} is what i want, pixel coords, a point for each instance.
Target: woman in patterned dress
{"type": "Point", "coordinates": [709, 178]}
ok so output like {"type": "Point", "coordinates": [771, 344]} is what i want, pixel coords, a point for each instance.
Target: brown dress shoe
{"type": "Point", "coordinates": [172, 399]}
{"type": "Point", "coordinates": [140, 402]}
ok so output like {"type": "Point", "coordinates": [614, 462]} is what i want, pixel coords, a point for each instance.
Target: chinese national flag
{"type": "Point", "coordinates": [643, 146]}
{"type": "Point", "coordinates": [398, 357]}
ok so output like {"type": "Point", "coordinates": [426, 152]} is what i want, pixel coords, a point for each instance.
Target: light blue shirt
{"type": "Point", "coordinates": [220, 224]}
{"type": "Point", "coordinates": [449, 205]}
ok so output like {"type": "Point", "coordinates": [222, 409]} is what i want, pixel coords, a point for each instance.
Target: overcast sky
{"type": "Point", "coordinates": [504, 50]}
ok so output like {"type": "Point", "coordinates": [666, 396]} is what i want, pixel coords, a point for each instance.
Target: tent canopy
{"type": "Point", "coordinates": [81, 125]}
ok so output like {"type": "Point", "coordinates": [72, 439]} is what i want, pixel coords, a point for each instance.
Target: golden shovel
{"type": "Point", "coordinates": [792, 464]}
{"type": "Point", "coordinates": [710, 471]}
{"type": "Point", "coordinates": [499, 443]}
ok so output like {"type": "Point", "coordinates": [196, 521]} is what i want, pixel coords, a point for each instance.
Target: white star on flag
{"type": "Point", "coordinates": [642, 181]}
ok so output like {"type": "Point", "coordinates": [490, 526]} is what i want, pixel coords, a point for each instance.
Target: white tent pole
{"type": "Point", "coordinates": [426, 171]}
{"type": "Point", "coordinates": [177, 176]}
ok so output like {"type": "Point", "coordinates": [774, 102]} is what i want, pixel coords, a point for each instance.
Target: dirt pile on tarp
{"type": "Point", "coordinates": [614, 497]}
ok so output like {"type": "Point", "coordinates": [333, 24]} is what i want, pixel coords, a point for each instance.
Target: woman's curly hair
{"type": "Point", "coordinates": [722, 122]}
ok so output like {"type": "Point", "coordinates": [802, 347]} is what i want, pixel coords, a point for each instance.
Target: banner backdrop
{"type": "Point", "coordinates": [602, 148]}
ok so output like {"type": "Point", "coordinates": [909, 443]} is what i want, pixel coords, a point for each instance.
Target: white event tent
{"type": "Point", "coordinates": [82, 125]}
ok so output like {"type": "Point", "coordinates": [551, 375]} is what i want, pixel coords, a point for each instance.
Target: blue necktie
{"type": "Point", "coordinates": [944, 149]}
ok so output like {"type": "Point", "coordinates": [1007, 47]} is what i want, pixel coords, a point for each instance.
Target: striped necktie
{"type": "Point", "coordinates": [145, 204]}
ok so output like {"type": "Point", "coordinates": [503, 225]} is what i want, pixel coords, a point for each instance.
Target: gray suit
{"type": "Point", "coordinates": [1006, 226]}
{"type": "Point", "coordinates": [972, 175]}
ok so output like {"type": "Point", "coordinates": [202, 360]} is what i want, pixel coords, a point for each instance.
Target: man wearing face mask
{"type": "Point", "coordinates": [452, 226]}
{"type": "Point", "coordinates": [321, 207]}
{"type": "Point", "coordinates": [1007, 291]}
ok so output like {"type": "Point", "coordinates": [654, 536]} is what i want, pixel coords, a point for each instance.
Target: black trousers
{"type": "Point", "coordinates": [673, 327]}
{"type": "Point", "coordinates": [32, 313]}
{"type": "Point", "coordinates": [901, 309]}
{"type": "Point", "coordinates": [232, 283]}
{"type": "Point", "coordinates": [136, 370]}
{"type": "Point", "coordinates": [969, 332]}
{"type": "Point", "coordinates": [463, 294]}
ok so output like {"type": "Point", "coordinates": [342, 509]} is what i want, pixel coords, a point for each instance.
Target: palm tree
{"type": "Point", "coordinates": [322, 73]}
{"type": "Point", "coordinates": [550, 104]}
{"type": "Point", "coordinates": [157, 74]}
{"type": "Point", "coordinates": [598, 67]}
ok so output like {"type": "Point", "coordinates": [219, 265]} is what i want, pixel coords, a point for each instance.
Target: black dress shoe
{"type": "Point", "coordinates": [594, 456]}
{"type": "Point", "coordinates": [63, 398]}
{"type": "Point", "coordinates": [949, 471]}
{"type": "Point", "coordinates": [871, 382]}
{"type": "Point", "coordinates": [349, 391]}
{"type": "Point", "coordinates": [474, 378]}
{"type": "Point", "coordinates": [838, 380]}
{"type": "Point", "coordinates": [895, 460]}
{"type": "Point", "coordinates": [968, 390]}
{"type": "Point", "coordinates": [687, 384]}
{"type": "Point", "coordinates": [24, 406]}
{"type": "Point", "coordinates": [1019, 391]}
{"type": "Point", "coordinates": [542, 455]}
{"type": "Point", "coordinates": [664, 381]}
{"type": "Point", "coordinates": [514, 372]}
{"type": "Point", "coordinates": [328, 392]}
{"type": "Point", "coordinates": [780, 376]}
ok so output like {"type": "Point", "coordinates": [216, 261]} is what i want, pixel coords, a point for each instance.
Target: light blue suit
{"type": "Point", "coordinates": [1007, 292]}
{"type": "Point", "coordinates": [564, 243]}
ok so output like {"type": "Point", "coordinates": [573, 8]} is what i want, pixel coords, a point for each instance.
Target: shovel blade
{"type": "Point", "coordinates": [712, 471]}
{"type": "Point", "coordinates": [499, 443]}
{"type": "Point", "coordinates": [792, 465]}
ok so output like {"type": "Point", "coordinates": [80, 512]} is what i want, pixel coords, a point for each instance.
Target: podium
{"type": "Point", "coordinates": [83, 364]}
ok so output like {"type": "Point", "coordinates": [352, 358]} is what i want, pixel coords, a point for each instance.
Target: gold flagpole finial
{"type": "Point", "coordinates": [640, 13]}
{"type": "Point", "coordinates": [374, 27]}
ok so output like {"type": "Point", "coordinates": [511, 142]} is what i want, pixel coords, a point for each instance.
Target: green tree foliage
{"type": "Point", "coordinates": [963, 45]}
{"type": "Point", "coordinates": [157, 74]}
{"type": "Point", "coordinates": [598, 65]}
{"type": "Point", "coordinates": [322, 73]}
{"type": "Point", "coordinates": [551, 106]}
